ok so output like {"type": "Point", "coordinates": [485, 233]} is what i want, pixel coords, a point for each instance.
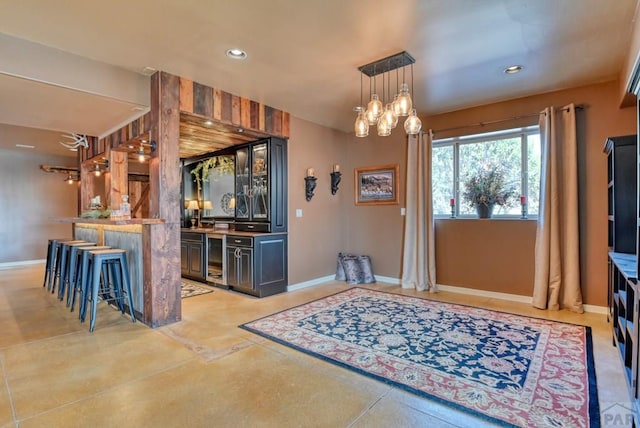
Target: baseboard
{"type": "Point", "coordinates": [388, 280]}
{"type": "Point", "coordinates": [449, 288]}
{"type": "Point", "coordinates": [510, 297]}
{"type": "Point", "coordinates": [11, 265]}
{"type": "Point", "coordinates": [310, 283]}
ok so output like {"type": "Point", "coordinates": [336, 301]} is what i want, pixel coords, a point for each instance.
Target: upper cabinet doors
{"type": "Point", "coordinates": [261, 186]}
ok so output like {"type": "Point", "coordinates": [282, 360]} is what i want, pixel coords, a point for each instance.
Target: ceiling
{"type": "Point", "coordinates": [303, 56]}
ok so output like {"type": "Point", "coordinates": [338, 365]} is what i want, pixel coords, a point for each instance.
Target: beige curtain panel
{"type": "Point", "coordinates": [557, 259]}
{"type": "Point", "coordinates": [418, 259]}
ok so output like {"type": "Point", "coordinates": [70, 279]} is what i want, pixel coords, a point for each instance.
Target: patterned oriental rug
{"type": "Point", "coordinates": [508, 369]}
{"type": "Point", "coordinates": [190, 289]}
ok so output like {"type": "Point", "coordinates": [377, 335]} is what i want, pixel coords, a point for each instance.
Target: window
{"type": "Point", "coordinates": [455, 159]}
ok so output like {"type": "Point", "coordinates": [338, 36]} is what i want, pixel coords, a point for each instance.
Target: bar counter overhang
{"type": "Point", "coordinates": [129, 235]}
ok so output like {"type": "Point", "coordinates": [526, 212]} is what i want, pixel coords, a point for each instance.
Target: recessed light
{"type": "Point", "coordinates": [513, 69]}
{"type": "Point", "coordinates": [208, 122]}
{"type": "Point", "coordinates": [236, 53]}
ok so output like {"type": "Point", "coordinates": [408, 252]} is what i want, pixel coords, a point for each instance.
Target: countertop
{"type": "Point", "coordinates": [107, 221]}
{"type": "Point", "coordinates": [206, 230]}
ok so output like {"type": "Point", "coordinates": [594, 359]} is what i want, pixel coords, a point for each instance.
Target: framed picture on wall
{"type": "Point", "coordinates": [377, 185]}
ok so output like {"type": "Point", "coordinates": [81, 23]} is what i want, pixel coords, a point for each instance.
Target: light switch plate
{"type": "Point", "coordinates": [298, 212]}
{"type": "Point", "coordinates": [403, 211]}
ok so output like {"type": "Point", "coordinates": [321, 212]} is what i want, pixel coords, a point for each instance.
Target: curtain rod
{"type": "Point", "coordinates": [491, 122]}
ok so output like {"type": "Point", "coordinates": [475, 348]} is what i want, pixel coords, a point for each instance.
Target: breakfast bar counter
{"type": "Point", "coordinates": [127, 235]}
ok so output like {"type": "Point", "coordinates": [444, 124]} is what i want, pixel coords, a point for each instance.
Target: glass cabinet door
{"type": "Point", "coordinates": [243, 191]}
{"type": "Point", "coordinates": [260, 191]}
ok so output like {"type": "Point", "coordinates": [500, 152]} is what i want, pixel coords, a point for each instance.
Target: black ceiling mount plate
{"type": "Point", "coordinates": [387, 64]}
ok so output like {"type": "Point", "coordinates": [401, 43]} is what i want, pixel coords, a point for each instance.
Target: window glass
{"type": "Point", "coordinates": [515, 152]}
{"type": "Point", "coordinates": [442, 179]}
{"type": "Point", "coordinates": [533, 169]}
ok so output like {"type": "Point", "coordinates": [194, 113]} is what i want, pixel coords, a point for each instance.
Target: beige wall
{"type": "Point", "coordinates": [494, 255]}
{"type": "Point", "coordinates": [332, 223]}
{"type": "Point", "coordinates": [29, 197]}
{"type": "Point", "coordinates": [315, 238]}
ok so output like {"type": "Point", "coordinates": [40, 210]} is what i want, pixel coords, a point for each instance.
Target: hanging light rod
{"type": "Point", "coordinates": [387, 64]}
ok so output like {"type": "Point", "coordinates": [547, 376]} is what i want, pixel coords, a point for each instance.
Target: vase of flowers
{"type": "Point", "coordinates": [488, 187]}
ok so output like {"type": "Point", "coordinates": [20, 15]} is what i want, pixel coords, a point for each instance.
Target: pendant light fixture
{"type": "Point", "coordinates": [388, 115]}
{"type": "Point", "coordinates": [413, 124]}
{"type": "Point", "coordinates": [386, 118]}
{"type": "Point", "coordinates": [405, 103]}
{"type": "Point", "coordinates": [374, 108]}
{"type": "Point", "coordinates": [361, 126]}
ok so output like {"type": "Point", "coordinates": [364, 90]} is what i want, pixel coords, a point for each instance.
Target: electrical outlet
{"type": "Point", "coordinates": [298, 212]}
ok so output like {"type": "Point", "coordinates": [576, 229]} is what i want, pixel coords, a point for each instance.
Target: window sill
{"type": "Point", "coordinates": [500, 218]}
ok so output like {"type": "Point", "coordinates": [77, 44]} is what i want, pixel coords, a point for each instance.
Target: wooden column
{"type": "Point", "coordinates": [161, 242]}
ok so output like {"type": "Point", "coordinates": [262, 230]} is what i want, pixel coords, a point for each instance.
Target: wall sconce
{"type": "Point", "coordinates": [336, 175]}
{"type": "Point", "coordinates": [99, 167]}
{"type": "Point", "coordinates": [141, 154]}
{"type": "Point", "coordinates": [309, 184]}
{"type": "Point", "coordinates": [72, 178]}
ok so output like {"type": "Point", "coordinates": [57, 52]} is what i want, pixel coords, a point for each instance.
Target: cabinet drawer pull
{"type": "Point", "coordinates": [250, 226]}
{"type": "Point", "coordinates": [237, 241]}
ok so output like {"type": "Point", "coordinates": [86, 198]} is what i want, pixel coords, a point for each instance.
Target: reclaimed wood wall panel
{"type": "Point", "coordinates": [186, 95]}
{"type": "Point", "coordinates": [226, 107]}
{"type": "Point", "coordinates": [117, 139]}
{"type": "Point", "coordinates": [286, 120]}
{"type": "Point", "coordinates": [254, 115]}
{"type": "Point", "coordinates": [218, 105]}
{"type": "Point", "coordinates": [235, 110]}
{"type": "Point", "coordinates": [245, 113]}
{"type": "Point", "coordinates": [202, 100]}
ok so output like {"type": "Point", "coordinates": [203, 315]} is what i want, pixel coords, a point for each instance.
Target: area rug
{"type": "Point", "coordinates": [508, 369]}
{"type": "Point", "coordinates": [190, 289]}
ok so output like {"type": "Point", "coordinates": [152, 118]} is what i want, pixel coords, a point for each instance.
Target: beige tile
{"type": "Point", "coordinates": [6, 412]}
{"type": "Point", "coordinates": [253, 387]}
{"type": "Point", "coordinates": [206, 371]}
{"type": "Point", "coordinates": [54, 372]}
{"type": "Point", "coordinates": [390, 413]}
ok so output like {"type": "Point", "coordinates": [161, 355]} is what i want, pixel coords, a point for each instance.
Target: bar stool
{"type": "Point", "coordinates": [82, 269]}
{"type": "Point", "coordinates": [115, 285]}
{"type": "Point", "coordinates": [70, 268]}
{"type": "Point", "coordinates": [52, 251]}
{"type": "Point", "coordinates": [60, 263]}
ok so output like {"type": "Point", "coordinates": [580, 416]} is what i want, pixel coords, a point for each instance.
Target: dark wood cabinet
{"type": "Point", "coordinates": [622, 218]}
{"type": "Point", "coordinates": [261, 186]}
{"type": "Point", "coordinates": [240, 265]}
{"type": "Point", "coordinates": [258, 264]}
{"type": "Point", "coordinates": [622, 190]}
{"type": "Point", "coordinates": [192, 255]}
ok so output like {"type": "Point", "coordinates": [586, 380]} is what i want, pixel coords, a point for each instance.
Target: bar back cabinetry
{"type": "Point", "coordinates": [257, 264]}
{"type": "Point", "coordinates": [261, 186]}
{"type": "Point", "coordinates": [192, 255]}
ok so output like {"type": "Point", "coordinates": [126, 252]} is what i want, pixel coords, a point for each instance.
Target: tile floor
{"type": "Point", "coordinates": [206, 372]}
